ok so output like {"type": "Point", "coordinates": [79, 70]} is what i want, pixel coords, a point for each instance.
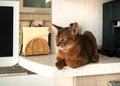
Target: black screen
{"type": "Point", "coordinates": [6, 31]}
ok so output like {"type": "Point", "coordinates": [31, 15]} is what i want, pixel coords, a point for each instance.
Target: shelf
{"type": "Point", "coordinates": [117, 26]}
{"type": "Point", "coordinates": [44, 65]}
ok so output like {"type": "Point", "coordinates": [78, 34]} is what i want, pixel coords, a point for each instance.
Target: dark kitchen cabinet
{"type": "Point", "coordinates": [111, 28]}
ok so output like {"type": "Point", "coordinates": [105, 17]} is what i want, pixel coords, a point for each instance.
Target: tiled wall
{"type": "Point", "coordinates": [26, 18]}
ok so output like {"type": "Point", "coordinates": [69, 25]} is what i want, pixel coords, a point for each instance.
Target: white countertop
{"type": "Point", "coordinates": [45, 65]}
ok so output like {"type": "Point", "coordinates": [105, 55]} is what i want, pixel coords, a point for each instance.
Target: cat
{"type": "Point", "coordinates": [75, 49]}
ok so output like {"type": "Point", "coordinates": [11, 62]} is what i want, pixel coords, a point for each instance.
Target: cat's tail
{"type": "Point", "coordinates": [93, 42]}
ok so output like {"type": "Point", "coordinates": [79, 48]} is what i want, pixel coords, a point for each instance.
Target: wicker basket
{"type": "Point", "coordinates": [37, 46]}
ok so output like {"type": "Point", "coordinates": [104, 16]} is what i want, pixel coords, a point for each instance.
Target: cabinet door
{"type": "Point", "coordinates": [107, 29]}
{"type": "Point", "coordinates": [116, 10]}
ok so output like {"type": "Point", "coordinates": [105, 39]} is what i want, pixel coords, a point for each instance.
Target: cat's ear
{"type": "Point", "coordinates": [57, 27]}
{"type": "Point", "coordinates": [74, 28]}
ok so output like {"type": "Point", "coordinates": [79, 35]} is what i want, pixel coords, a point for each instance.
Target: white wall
{"type": "Point", "coordinates": [88, 13]}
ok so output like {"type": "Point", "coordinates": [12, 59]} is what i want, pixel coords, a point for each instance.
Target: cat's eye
{"type": "Point", "coordinates": [63, 39]}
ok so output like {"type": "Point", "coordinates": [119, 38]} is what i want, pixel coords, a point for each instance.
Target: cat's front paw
{"type": "Point", "coordinates": [96, 58]}
{"type": "Point", "coordinates": [59, 65]}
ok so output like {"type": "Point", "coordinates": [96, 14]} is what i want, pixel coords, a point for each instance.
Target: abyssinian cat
{"type": "Point", "coordinates": [75, 49]}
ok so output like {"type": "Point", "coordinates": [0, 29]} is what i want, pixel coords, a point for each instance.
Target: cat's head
{"type": "Point", "coordinates": [66, 36]}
